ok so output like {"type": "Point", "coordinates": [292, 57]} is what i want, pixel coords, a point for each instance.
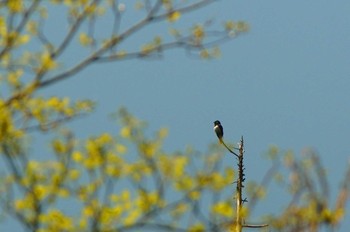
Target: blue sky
{"type": "Point", "coordinates": [285, 82]}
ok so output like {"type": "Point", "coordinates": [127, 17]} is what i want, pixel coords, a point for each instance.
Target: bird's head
{"type": "Point", "coordinates": [217, 122]}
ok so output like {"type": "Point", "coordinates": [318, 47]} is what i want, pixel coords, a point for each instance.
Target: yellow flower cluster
{"type": "Point", "coordinates": [7, 128]}
{"type": "Point", "coordinates": [86, 170]}
{"type": "Point", "coordinates": [85, 40]}
{"type": "Point", "coordinates": [55, 221]}
{"type": "Point", "coordinates": [152, 46]}
{"type": "Point", "coordinates": [313, 213]}
{"type": "Point", "coordinates": [215, 180]}
{"type": "Point", "coordinates": [48, 111]}
{"type": "Point", "coordinates": [10, 38]}
{"type": "Point", "coordinates": [15, 6]}
{"type": "Point", "coordinates": [174, 16]}
{"type": "Point", "coordinates": [44, 182]}
{"type": "Point", "coordinates": [172, 166]}
{"type": "Point", "coordinates": [223, 208]}
{"type": "Point", "coordinates": [197, 227]}
{"type": "Point", "coordinates": [147, 200]}
{"type": "Point", "coordinates": [46, 62]}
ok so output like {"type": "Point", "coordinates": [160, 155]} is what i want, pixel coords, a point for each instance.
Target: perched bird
{"type": "Point", "coordinates": [220, 133]}
{"type": "Point", "coordinates": [219, 130]}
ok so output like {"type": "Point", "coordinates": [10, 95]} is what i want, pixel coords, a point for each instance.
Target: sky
{"type": "Point", "coordinates": [285, 82]}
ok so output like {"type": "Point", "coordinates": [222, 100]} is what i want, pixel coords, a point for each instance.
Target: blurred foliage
{"type": "Point", "coordinates": [117, 183]}
{"type": "Point", "coordinates": [307, 205]}
{"type": "Point", "coordinates": [125, 181]}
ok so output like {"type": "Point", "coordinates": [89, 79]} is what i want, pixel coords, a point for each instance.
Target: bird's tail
{"type": "Point", "coordinates": [229, 149]}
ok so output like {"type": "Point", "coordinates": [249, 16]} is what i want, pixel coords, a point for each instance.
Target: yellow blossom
{"type": "Point", "coordinates": [148, 149]}
{"type": "Point", "coordinates": [337, 215]}
{"type": "Point", "coordinates": [146, 49]}
{"type": "Point", "coordinates": [146, 201]}
{"type": "Point", "coordinates": [125, 132]}
{"type": "Point", "coordinates": [74, 174]}
{"type": "Point", "coordinates": [194, 195]}
{"type": "Point", "coordinates": [26, 203]}
{"type": "Point", "coordinates": [88, 211]}
{"type": "Point", "coordinates": [229, 175]}
{"type": "Point", "coordinates": [174, 16]}
{"type": "Point", "coordinates": [5, 125]}
{"type": "Point", "coordinates": [54, 102]}
{"type": "Point", "coordinates": [32, 27]}
{"type": "Point", "coordinates": [198, 32]}
{"type": "Point", "coordinates": [90, 9]}
{"type": "Point", "coordinates": [242, 26]}
{"type": "Point", "coordinates": [63, 192]}
{"type": "Point", "coordinates": [6, 58]}
{"type": "Point", "coordinates": [121, 149]}
{"type": "Point", "coordinates": [15, 6]}
{"type": "Point", "coordinates": [139, 170]}
{"type": "Point", "coordinates": [13, 77]}
{"type": "Point", "coordinates": [114, 198]}
{"type": "Point", "coordinates": [83, 223]}
{"type": "Point", "coordinates": [57, 221]}
{"type": "Point", "coordinates": [113, 171]}
{"type": "Point", "coordinates": [40, 191]}
{"type": "Point", "coordinates": [218, 181]}
{"type": "Point", "coordinates": [223, 209]}
{"type": "Point", "coordinates": [85, 40]}
{"type": "Point", "coordinates": [125, 195]}
{"type": "Point", "coordinates": [20, 204]}
{"type": "Point", "coordinates": [82, 193]}
{"type": "Point", "coordinates": [94, 156]}
{"type": "Point", "coordinates": [179, 165]}
{"type": "Point", "coordinates": [109, 214]}
{"type": "Point", "coordinates": [198, 227]}
{"type": "Point", "coordinates": [229, 26]}
{"type": "Point", "coordinates": [58, 146]}
{"type": "Point", "coordinates": [179, 210]}
{"type": "Point", "coordinates": [104, 138]}
{"type": "Point", "coordinates": [2, 23]}
{"type": "Point", "coordinates": [121, 54]}
{"type": "Point", "coordinates": [163, 132]}
{"type": "Point", "coordinates": [33, 165]}
{"type": "Point", "coordinates": [93, 161]}
{"type": "Point", "coordinates": [205, 54]}
{"type": "Point", "coordinates": [132, 217]}
{"type": "Point", "coordinates": [184, 183]}
{"type": "Point", "coordinates": [77, 156]}
{"type": "Point", "coordinates": [47, 63]}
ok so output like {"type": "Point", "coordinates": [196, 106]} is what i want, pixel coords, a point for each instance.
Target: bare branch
{"type": "Point", "coordinates": [23, 22]}
{"type": "Point", "coordinates": [150, 18]}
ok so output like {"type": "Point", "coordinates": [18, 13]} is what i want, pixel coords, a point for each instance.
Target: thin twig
{"type": "Point", "coordinates": [118, 39]}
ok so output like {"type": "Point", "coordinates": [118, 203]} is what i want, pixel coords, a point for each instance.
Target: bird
{"type": "Point", "coordinates": [219, 130]}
